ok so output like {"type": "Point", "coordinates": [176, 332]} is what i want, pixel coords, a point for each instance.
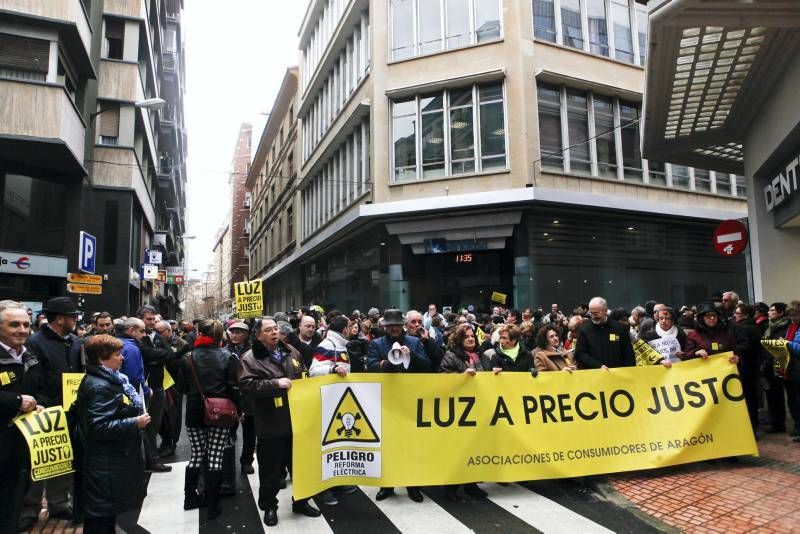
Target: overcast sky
{"type": "Point", "coordinates": [236, 54]}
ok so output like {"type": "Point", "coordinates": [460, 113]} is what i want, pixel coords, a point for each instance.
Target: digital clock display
{"type": "Point", "coordinates": [463, 258]}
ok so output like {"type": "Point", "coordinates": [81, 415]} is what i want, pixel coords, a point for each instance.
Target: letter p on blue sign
{"type": "Point", "coordinates": [87, 252]}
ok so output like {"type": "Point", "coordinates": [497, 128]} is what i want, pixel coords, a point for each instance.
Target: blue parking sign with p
{"type": "Point", "coordinates": [87, 253]}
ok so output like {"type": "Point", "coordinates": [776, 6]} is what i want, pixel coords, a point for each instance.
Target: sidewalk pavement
{"type": "Point", "coordinates": [748, 494]}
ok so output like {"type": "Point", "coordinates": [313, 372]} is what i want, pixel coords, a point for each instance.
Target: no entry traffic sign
{"type": "Point", "coordinates": [730, 238]}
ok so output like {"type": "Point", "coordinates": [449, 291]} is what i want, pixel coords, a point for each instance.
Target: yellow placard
{"type": "Point", "coordinates": [480, 336]}
{"type": "Point", "coordinates": [47, 436]}
{"type": "Point", "coordinates": [249, 299]}
{"type": "Point", "coordinates": [513, 426]}
{"type": "Point", "coordinates": [778, 351]}
{"type": "Point", "coordinates": [70, 382]}
{"type": "Point", "coordinates": [499, 297]}
{"type": "Point", "coordinates": [645, 354]}
{"type": "Point", "coordinates": [168, 380]}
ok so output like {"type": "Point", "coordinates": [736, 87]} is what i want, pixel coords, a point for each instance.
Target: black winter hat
{"type": "Point", "coordinates": [61, 306]}
{"type": "Point", "coordinates": [707, 307]}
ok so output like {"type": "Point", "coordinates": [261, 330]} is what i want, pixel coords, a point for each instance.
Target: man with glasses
{"type": "Point", "coordinates": [602, 342]}
{"type": "Point", "coordinates": [17, 370]}
{"type": "Point", "coordinates": [58, 351]}
{"type": "Point", "coordinates": [170, 429]}
{"type": "Point", "coordinates": [266, 373]}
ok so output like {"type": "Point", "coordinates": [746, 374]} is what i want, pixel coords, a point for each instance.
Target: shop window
{"type": "Point", "coordinates": [544, 20]}
{"type": "Point", "coordinates": [33, 214]}
{"type": "Point", "coordinates": [598, 27]}
{"type": "Point", "coordinates": [605, 138]}
{"type": "Point", "coordinates": [114, 38]}
{"type": "Point", "coordinates": [550, 126]}
{"type": "Point", "coordinates": [448, 139]}
{"type": "Point", "coordinates": [578, 126]}
{"type": "Point", "coordinates": [571, 23]}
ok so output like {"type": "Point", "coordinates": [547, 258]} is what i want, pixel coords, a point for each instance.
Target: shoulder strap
{"type": "Point", "coordinates": [194, 374]}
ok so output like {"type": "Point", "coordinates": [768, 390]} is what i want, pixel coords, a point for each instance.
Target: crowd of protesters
{"type": "Point", "coordinates": [125, 402]}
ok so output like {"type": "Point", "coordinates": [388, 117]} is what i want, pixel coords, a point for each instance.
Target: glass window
{"type": "Point", "coordinates": [702, 180]}
{"type": "Point", "coordinates": [680, 176]}
{"type": "Point", "coordinates": [430, 26]}
{"type": "Point", "coordinates": [723, 183]}
{"type": "Point", "coordinates": [598, 29]}
{"type": "Point", "coordinates": [641, 26]}
{"type": "Point", "coordinates": [404, 126]}
{"type": "Point", "coordinates": [432, 108]}
{"type": "Point", "coordinates": [493, 130]}
{"type": "Point", "coordinates": [571, 23]}
{"type": "Point", "coordinates": [741, 186]}
{"type": "Point", "coordinates": [33, 214]}
{"type": "Point", "coordinates": [462, 137]}
{"type": "Point", "coordinates": [550, 126]}
{"type": "Point", "coordinates": [657, 173]}
{"type": "Point", "coordinates": [629, 130]}
{"type": "Point", "coordinates": [457, 23]}
{"type": "Point", "coordinates": [605, 138]}
{"type": "Point", "coordinates": [402, 29]}
{"type": "Point", "coordinates": [487, 19]}
{"type": "Point", "coordinates": [544, 20]}
{"type": "Point", "coordinates": [578, 123]}
{"type": "Point", "coordinates": [622, 30]}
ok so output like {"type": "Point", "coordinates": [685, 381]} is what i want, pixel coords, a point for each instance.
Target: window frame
{"type": "Point", "coordinates": [476, 133]}
{"type": "Point", "coordinates": [416, 53]}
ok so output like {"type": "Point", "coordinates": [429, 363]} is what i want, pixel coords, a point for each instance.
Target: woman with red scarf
{"type": "Point", "coordinates": [217, 373]}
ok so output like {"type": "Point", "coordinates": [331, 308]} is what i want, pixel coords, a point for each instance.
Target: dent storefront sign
{"type": "Point", "coordinates": [434, 429]}
{"type": "Point", "coordinates": [32, 264]}
{"type": "Point", "coordinates": [783, 185]}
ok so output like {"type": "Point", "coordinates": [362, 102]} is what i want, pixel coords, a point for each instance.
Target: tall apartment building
{"type": "Point", "coordinates": [240, 205]}
{"type": "Point", "coordinates": [83, 148]}
{"type": "Point", "coordinates": [454, 148]}
{"type": "Point", "coordinates": [218, 279]}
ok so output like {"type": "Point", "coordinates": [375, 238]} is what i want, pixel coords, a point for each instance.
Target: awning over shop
{"type": "Point", "coordinates": [710, 63]}
{"type": "Point", "coordinates": [459, 233]}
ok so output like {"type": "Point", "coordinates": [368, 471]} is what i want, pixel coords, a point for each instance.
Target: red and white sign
{"type": "Point", "coordinates": [730, 238]}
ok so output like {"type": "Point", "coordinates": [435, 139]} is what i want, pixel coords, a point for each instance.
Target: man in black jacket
{"type": "Point", "coordinates": [58, 351]}
{"type": "Point", "coordinates": [155, 355]}
{"type": "Point", "coordinates": [603, 343]}
{"type": "Point", "coordinates": [748, 347]}
{"type": "Point", "coordinates": [18, 367]}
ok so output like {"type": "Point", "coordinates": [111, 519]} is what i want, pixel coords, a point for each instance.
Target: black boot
{"type": "Point", "coordinates": [191, 498]}
{"type": "Point", "coordinates": [213, 483]}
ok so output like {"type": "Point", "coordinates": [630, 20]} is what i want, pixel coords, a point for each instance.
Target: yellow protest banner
{"type": "Point", "coordinates": [380, 429]}
{"type": "Point", "coordinates": [47, 436]}
{"type": "Point", "coordinates": [779, 352]}
{"type": "Point", "coordinates": [69, 388]}
{"type": "Point", "coordinates": [249, 299]}
{"type": "Point", "coordinates": [645, 354]}
{"type": "Point", "coordinates": [499, 297]}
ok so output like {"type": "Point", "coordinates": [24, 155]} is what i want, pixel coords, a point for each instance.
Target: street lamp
{"type": "Point", "coordinates": [147, 103]}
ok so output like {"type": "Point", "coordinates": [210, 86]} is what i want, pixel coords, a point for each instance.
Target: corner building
{"type": "Point", "coordinates": [452, 148]}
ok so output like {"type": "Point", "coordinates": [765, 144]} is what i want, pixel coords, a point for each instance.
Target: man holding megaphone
{"type": "Point", "coordinates": [397, 352]}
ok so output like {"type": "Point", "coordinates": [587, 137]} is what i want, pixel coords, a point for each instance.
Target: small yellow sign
{"type": "Point", "coordinates": [499, 297]}
{"type": "Point", "coordinates": [47, 436]}
{"type": "Point", "coordinates": [349, 422]}
{"type": "Point", "coordinates": [70, 382]}
{"type": "Point", "coordinates": [85, 289]}
{"type": "Point", "coordinates": [168, 380]}
{"type": "Point", "coordinates": [80, 278]}
{"type": "Point", "coordinates": [249, 299]}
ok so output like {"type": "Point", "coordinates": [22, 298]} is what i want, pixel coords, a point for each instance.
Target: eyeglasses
{"type": "Point", "coordinates": [17, 324]}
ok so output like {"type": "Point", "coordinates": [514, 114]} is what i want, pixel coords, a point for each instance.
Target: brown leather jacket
{"type": "Point", "coordinates": [546, 360]}
{"type": "Point", "coordinates": [259, 372]}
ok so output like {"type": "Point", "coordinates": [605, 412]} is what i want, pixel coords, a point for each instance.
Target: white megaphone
{"type": "Point", "coordinates": [397, 357]}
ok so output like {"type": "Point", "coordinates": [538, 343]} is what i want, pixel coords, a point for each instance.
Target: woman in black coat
{"type": "Point", "coordinates": [216, 370]}
{"type": "Point", "coordinates": [110, 416]}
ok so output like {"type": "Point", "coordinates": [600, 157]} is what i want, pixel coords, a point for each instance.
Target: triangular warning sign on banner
{"type": "Point", "coordinates": [349, 422]}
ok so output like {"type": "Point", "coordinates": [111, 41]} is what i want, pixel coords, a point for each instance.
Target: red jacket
{"type": "Point", "coordinates": [712, 341]}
